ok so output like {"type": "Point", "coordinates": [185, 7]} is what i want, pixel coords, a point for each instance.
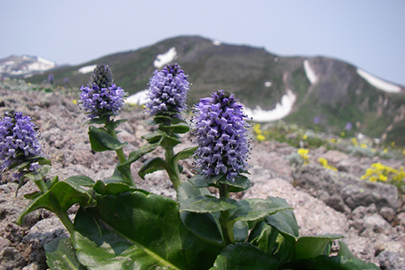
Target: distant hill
{"type": "Point", "coordinates": [333, 91]}
{"type": "Point", "coordinates": [25, 65]}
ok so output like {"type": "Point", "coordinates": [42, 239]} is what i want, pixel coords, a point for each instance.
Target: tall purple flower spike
{"type": "Point", "coordinates": [101, 96]}
{"type": "Point", "coordinates": [222, 136]}
{"type": "Point", "coordinates": [168, 91]}
{"type": "Point", "coordinates": [18, 141]}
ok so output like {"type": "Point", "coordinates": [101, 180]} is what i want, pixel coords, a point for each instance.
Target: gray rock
{"type": "Point", "coordinates": [388, 213]}
{"type": "Point", "coordinates": [376, 223]}
{"type": "Point", "coordinates": [11, 258]}
{"type": "Point", "coordinates": [390, 261]}
{"type": "Point", "coordinates": [31, 266]}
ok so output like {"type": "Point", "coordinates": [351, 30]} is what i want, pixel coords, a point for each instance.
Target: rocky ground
{"type": "Point", "coordinates": [370, 215]}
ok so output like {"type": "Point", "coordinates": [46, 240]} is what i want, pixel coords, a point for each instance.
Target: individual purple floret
{"type": "Point", "coordinates": [101, 97]}
{"type": "Point", "coordinates": [222, 135]}
{"type": "Point", "coordinates": [19, 141]}
{"type": "Point", "coordinates": [168, 91]}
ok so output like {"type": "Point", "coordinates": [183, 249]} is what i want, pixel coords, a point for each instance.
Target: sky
{"type": "Point", "coordinates": [369, 34]}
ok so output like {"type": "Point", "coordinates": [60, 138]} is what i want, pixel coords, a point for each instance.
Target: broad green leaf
{"type": "Point", "coordinates": [241, 231]}
{"type": "Point", "coordinates": [80, 180]}
{"type": "Point", "coordinates": [43, 161]}
{"type": "Point", "coordinates": [102, 141]}
{"type": "Point", "coordinates": [240, 183]}
{"type": "Point", "coordinates": [153, 137]}
{"type": "Point", "coordinates": [53, 181]}
{"type": "Point", "coordinates": [42, 172]}
{"type": "Point", "coordinates": [112, 188]}
{"type": "Point", "coordinates": [205, 226]}
{"type": "Point", "coordinates": [170, 141]}
{"type": "Point", "coordinates": [267, 238]}
{"type": "Point", "coordinates": [144, 232]}
{"type": "Point", "coordinates": [207, 204]}
{"type": "Point", "coordinates": [153, 165]}
{"type": "Point", "coordinates": [60, 255]}
{"type": "Point", "coordinates": [97, 120]}
{"type": "Point", "coordinates": [244, 257]}
{"type": "Point", "coordinates": [308, 247]}
{"type": "Point", "coordinates": [345, 251]}
{"type": "Point", "coordinates": [59, 198]}
{"type": "Point", "coordinates": [285, 223]}
{"type": "Point", "coordinates": [183, 154]}
{"type": "Point", "coordinates": [201, 181]}
{"type": "Point", "coordinates": [186, 190]}
{"type": "Point", "coordinates": [254, 209]}
{"type": "Point", "coordinates": [178, 128]}
{"type": "Point", "coordinates": [33, 195]}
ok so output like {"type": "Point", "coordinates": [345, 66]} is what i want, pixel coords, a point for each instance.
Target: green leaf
{"type": "Point", "coordinates": [144, 232]}
{"type": "Point", "coordinates": [207, 204]}
{"type": "Point", "coordinates": [153, 137]}
{"type": "Point", "coordinates": [285, 223]}
{"type": "Point", "coordinates": [244, 257]}
{"type": "Point", "coordinates": [33, 195]}
{"type": "Point", "coordinates": [112, 188]}
{"type": "Point", "coordinates": [60, 255]}
{"type": "Point", "coordinates": [183, 154]}
{"type": "Point", "coordinates": [170, 141]}
{"type": "Point", "coordinates": [240, 183]}
{"type": "Point", "coordinates": [80, 181]}
{"type": "Point", "coordinates": [254, 209]}
{"type": "Point", "coordinates": [114, 124]}
{"type": "Point", "coordinates": [97, 120]}
{"type": "Point", "coordinates": [345, 251]}
{"type": "Point", "coordinates": [186, 190]}
{"type": "Point", "coordinates": [42, 172]}
{"type": "Point", "coordinates": [308, 247]}
{"type": "Point", "coordinates": [201, 181]}
{"type": "Point", "coordinates": [125, 166]}
{"type": "Point", "coordinates": [205, 226]}
{"type": "Point", "coordinates": [155, 164]}
{"type": "Point", "coordinates": [241, 231]}
{"type": "Point", "coordinates": [178, 128]}
{"type": "Point", "coordinates": [53, 181]}
{"type": "Point", "coordinates": [59, 198]}
{"type": "Point", "coordinates": [266, 239]}
{"type": "Point", "coordinates": [101, 141]}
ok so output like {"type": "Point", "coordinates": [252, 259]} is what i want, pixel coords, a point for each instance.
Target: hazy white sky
{"type": "Point", "coordinates": [367, 33]}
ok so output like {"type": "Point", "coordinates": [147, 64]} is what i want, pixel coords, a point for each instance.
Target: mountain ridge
{"type": "Point", "coordinates": [336, 93]}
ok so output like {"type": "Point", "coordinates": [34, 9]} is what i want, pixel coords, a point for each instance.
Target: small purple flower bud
{"type": "Point", "coordinates": [168, 91]}
{"type": "Point", "coordinates": [222, 135]}
{"type": "Point", "coordinates": [102, 97]}
{"type": "Point", "coordinates": [18, 141]}
{"type": "Point", "coordinates": [316, 120]}
{"type": "Point", "coordinates": [349, 126]}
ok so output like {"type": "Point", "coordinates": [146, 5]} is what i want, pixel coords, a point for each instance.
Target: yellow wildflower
{"type": "Point", "coordinates": [373, 179]}
{"type": "Point", "coordinates": [363, 145]}
{"type": "Point", "coordinates": [393, 144]}
{"type": "Point", "coordinates": [74, 101]}
{"type": "Point", "coordinates": [385, 150]}
{"type": "Point", "coordinates": [334, 140]}
{"type": "Point", "coordinates": [304, 137]}
{"type": "Point", "coordinates": [382, 178]}
{"type": "Point", "coordinates": [260, 138]}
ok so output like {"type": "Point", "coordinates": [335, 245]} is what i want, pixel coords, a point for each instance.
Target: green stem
{"type": "Point", "coordinates": [122, 159]}
{"type": "Point", "coordinates": [226, 224]}
{"type": "Point", "coordinates": [176, 179]}
{"type": "Point", "coordinates": [66, 221]}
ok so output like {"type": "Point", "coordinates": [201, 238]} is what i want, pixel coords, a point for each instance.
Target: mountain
{"type": "Point", "coordinates": [25, 65]}
{"type": "Point", "coordinates": [299, 89]}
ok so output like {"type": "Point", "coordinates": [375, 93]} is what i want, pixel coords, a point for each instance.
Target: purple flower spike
{"type": "Point", "coordinates": [349, 126]}
{"type": "Point", "coordinates": [18, 141]}
{"type": "Point", "coordinates": [222, 136]}
{"type": "Point", "coordinates": [168, 91]}
{"type": "Point", "coordinates": [102, 97]}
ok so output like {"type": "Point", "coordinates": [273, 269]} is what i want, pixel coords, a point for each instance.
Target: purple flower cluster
{"type": "Point", "coordinates": [19, 141]}
{"type": "Point", "coordinates": [168, 91]}
{"type": "Point", "coordinates": [101, 97]}
{"type": "Point", "coordinates": [222, 136]}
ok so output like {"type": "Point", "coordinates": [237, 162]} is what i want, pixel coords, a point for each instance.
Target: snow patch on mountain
{"type": "Point", "coordinates": [378, 83]}
{"type": "Point", "coordinates": [166, 58]}
{"type": "Point", "coordinates": [310, 72]}
{"type": "Point", "coordinates": [216, 42]}
{"type": "Point", "coordinates": [281, 110]}
{"type": "Point", "coordinates": [24, 65]}
{"type": "Point", "coordinates": [138, 98]}
{"type": "Point", "coordinates": [86, 69]}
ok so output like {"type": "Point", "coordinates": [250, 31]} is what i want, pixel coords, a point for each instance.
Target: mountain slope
{"type": "Point", "coordinates": [332, 90]}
